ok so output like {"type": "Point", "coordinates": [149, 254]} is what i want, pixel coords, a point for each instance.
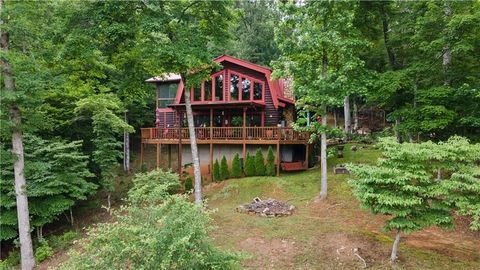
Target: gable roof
{"type": "Point", "coordinates": [276, 86]}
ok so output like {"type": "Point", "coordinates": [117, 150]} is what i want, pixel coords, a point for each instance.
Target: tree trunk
{"type": "Point", "coordinates": [355, 116]}
{"type": "Point", "coordinates": [126, 147]}
{"type": "Point", "coordinates": [447, 54]}
{"type": "Point", "coordinates": [348, 118]}
{"type": "Point", "coordinates": [335, 121]}
{"type": "Point", "coordinates": [386, 38]}
{"type": "Point", "coordinates": [193, 145]}
{"type": "Point", "coordinates": [393, 256]}
{"type": "Point", "coordinates": [26, 250]}
{"type": "Point", "coordinates": [397, 132]}
{"type": "Point", "coordinates": [323, 159]}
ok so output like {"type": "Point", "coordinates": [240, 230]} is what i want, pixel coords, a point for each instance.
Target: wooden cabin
{"type": "Point", "coordinates": [237, 111]}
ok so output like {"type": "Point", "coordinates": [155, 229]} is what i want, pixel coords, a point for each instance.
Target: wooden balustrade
{"type": "Point", "coordinates": [226, 133]}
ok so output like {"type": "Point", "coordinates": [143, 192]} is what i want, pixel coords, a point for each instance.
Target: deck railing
{"type": "Point", "coordinates": [226, 133]}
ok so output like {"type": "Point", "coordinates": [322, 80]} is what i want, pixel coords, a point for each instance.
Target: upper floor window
{"type": "Point", "coordinates": [257, 91]}
{"type": "Point", "coordinates": [219, 87]}
{"type": "Point", "coordinates": [166, 93]}
{"type": "Point", "coordinates": [197, 94]}
{"type": "Point", "coordinates": [246, 91]}
{"type": "Point", "coordinates": [234, 80]}
{"type": "Point", "coordinates": [207, 90]}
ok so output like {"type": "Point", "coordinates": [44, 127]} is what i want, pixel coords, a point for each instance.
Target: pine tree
{"type": "Point", "coordinates": [270, 169]}
{"type": "Point", "coordinates": [249, 165]}
{"type": "Point", "coordinates": [216, 171]}
{"type": "Point", "coordinates": [236, 168]}
{"type": "Point", "coordinates": [259, 163]}
{"type": "Point", "coordinates": [224, 171]}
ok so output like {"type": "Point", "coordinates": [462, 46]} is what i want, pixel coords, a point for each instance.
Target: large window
{"type": "Point", "coordinates": [234, 80]}
{"type": "Point", "coordinates": [197, 94]}
{"type": "Point", "coordinates": [246, 91]}
{"type": "Point", "coordinates": [219, 87]}
{"type": "Point", "coordinates": [166, 94]}
{"type": "Point", "coordinates": [257, 91]}
{"type": "Point", "coordinates": [207, 91]}
{"type": "Point", "coordinates": [254, 120]}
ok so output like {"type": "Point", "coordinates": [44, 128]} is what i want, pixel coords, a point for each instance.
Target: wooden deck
{"type": "Point", "coordinates": [225, 135]}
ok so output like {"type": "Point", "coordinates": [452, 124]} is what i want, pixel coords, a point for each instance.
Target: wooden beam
{"type": "Point", "coordinates": [211, 161]}
{"type": "Point", "coordinates": [169, 156]}
{"type": "Point", "coordinates": [141, 154]}
{"type": "Point", "coordinates": [158, 154]}
{"type": "Point", "coordinates": [306, 155]}
{"type": "Point", "coordinates": [278, 159]}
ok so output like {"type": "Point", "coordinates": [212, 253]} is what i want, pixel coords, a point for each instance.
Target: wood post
{"type": "Point", "coordinates": [159, 152]}
{"type": "Point", "coordinates": [179, 154]}
{"type": "Point", "coordinates": [306, 155]}
{"type": "Point", "coordinates": [141, 154]}
{"type": "Point", "coordinates": [211, 161]}
{"type": "Point", "coordinates": [169, 156]}
{"type": "Point", "coordinates": [278, 158]}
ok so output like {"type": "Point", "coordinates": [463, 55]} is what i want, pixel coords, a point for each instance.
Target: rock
{"type": "Point", "coordinates": [267, 208]}
{"type": "Point", "coordinates": [354, 148]}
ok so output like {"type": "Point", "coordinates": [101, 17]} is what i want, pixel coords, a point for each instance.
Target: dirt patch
{"type": "Point", "coordinates": [267, 208]}
{"type": "Point", "coordinates": [269, 254]}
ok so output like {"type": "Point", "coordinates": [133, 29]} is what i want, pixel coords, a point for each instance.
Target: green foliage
{"type": "Point", "coordinates": [236, 167]}
{"type": "Point", "coordinates": [43, 252]}
{"type": "Point", "coordinates": [270, 168]}
{"type": "Point", "coordinates": [216, 171]}
{"type": "Point", "coordinates": [188, 185]}
{"type": "Point", "coordinates": [259, 163]}
{"type": "Point", "coordinates": [249, 169]}
{"type": "Point", "coordinates": [63, 241]}
{"type": "Point", "coordinates": [57, 176]}
{"type": "Point", "coordinates": [107, 126]}
{"type": "Point", "coordinates": [224, 171]}
{"type": "Point", "coordinates": [153, 186]}
{"type": "Point", "coordinates": [403, 185]}
{"type": "Point", "coordinates": [172, 234]}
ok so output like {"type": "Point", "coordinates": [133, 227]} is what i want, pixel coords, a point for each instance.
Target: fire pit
{"type": "Point", "coordinates": [267, 208]}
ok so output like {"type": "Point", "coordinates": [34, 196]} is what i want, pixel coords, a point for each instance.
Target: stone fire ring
{"type": "Point", "coordinates": [267, 208]}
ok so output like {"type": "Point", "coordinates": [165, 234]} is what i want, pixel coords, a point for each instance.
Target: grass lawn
{"type": "Point", "coordinates": [323, 235]}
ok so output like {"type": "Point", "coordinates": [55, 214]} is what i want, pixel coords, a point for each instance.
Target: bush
{"type": "Point", "coordinates": [12, 261]}
{"type": "Point", "coordinates": [170, 235]}
{"type": "Point", "coordinates": [249, 165]}
{"type": "Point", "coordinates": [43, 252]}
{"type": "Point", "coordinates": [270, 169]}
{"type": "Point", "coordinates": [259, 163]}
{"type": "Point", "coordinates": [61, 242]}
{"type": "Point", "coordinates": [224, 172]}
{"type": "Point", "coordinates": [236, 168]}
{"type": "Point", "coordinates": [188, 185]}
{"type": "Point", "coordinates": [216, 171]}
{"type": "Point", "coordinates": [153, 186]}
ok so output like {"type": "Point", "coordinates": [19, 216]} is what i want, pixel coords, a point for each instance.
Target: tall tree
{"type": "Point", "coordinates": [318, 45]}
{"type": "Point", "coordinates": [27, 260]}
{"type": "Point", "coordinates": [183, 36]}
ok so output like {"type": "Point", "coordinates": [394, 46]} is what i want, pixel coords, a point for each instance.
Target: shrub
{"type": "Point", "coordinates": [270, 169]}
{"type": "Point", "coordinates": [153, 186]}
{"type": "Point", "coordinates": [236, 168]}
{"type": "Point", "coordinates": [61, 242]}
{"type": "Point", "coordinates": [43, 252]}
{"type": "Point", "coordinates": [170, 235]}
{"type": "Point", "coordinates": [12, 261]}
{"type": "Point", "coordinates": [216, 171]}
{"type": "Point", "coordinates": [249, 165]}
{"type": "Point", "coordinates": [224, 172]}
{"type": "Point", "coordinates": [188, 185]}
{"type": "Point", "coordinates": [259, 163]}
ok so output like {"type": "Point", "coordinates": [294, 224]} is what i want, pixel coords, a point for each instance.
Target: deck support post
{"type": "Point", "coordinates": [179, 154]}
{"type": "Point", "coordinates": [141, 154]}
{"type": "Point", "coordinates": [278, 158]}
{"type": "Point", "coordinates": [159, 151]}
{"type": "Point", "coordinates": [211, 161]}
{"type": "Point", "coordinates": [244, 135]}
{"type": "Point", "coordinates": [306, 155]}
{"type": "Point", "coordinates": [169, 156]}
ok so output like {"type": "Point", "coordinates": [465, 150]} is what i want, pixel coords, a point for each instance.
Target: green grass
{"type": "Point", "coordinates": [317, 230]}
